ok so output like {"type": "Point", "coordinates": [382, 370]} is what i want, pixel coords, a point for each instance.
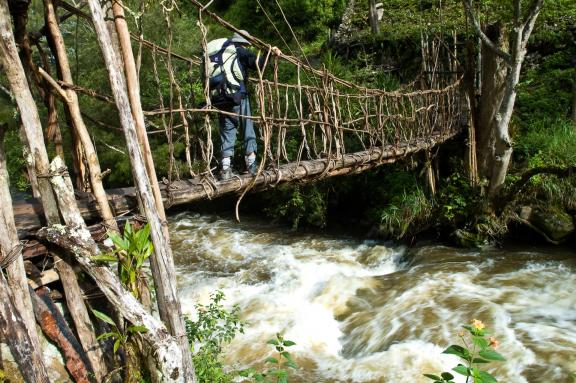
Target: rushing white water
{"type": "Point", "coordinates": [365, 311]}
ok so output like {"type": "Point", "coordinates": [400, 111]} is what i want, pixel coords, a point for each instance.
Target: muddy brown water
{"type": "Point", "coordinates": [368, 311]}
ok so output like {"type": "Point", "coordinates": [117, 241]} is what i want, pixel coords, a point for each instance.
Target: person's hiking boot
{"type": "Point", "coordinates": [226, 174]}
{"type": "Point", "coordinates": [253, 168]}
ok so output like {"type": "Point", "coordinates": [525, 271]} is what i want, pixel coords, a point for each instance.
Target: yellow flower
{"type": "Point", "coordinates": [477, 324]}
{"type": "Point", "coordinates": [493, 342]}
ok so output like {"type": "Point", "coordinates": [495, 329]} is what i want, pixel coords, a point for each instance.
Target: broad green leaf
{"type": "Point", "coordinates": [486, 377]}
{"type": "Point", "coordinates": [462, 370]}
{"type": "Point", "coordinates": [290, 364]}
{"type": "Point", "coordinates": [433, 377]}
{"type": "Point", "coordinates": [273, 341]}
{"type": "Point", "coordinates": [447, 376]}
{"type": "Point", "coordinates": [458, 351]}
{"type": "Point", "coordinates": [480, 342]}
{"type": "Point", "coordinates": [259, 377]}
{"type": "Point", "coordinates": [117, 345]}
{"type": "Point", "coordinates": [103, 317]}
{"type": "Point", "coordinates": [480, 360]}
{"type": "Point", "coordinates": [491, 355]}
{"type": "Point", "coordinates": [288, 343]}
{"type": "Point", "coordinates": [106, 336]}
{"type": "Point", "coordinates": [271, 359]}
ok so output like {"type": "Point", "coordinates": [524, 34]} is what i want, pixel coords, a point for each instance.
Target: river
{"type": "Point", "coordinates": [370, 311]}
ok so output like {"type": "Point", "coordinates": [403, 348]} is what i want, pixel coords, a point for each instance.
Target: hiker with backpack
{"type": "Point", "coordinates": [229, 61]}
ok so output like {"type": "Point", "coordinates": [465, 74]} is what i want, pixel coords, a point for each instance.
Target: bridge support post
{"type": "Point", "coordinates": [162, 263]}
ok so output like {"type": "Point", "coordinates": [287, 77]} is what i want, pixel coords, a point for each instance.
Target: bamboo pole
{"type": "Point", "coordinates": [162, 263]}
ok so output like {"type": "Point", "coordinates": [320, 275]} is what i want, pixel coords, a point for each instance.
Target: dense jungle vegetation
{"type": "Point", "coordinates": [392, 200]}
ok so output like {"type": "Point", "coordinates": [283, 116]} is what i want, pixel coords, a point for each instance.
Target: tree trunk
{"type": "Point", "coordinates": [373, 15]}
{"type": "Point", "coordinates": [28, 112]}
{"type": "Point", "coordinates": [77, 120]}
{"type": "Point", "coordinates": [136, 105]}
{"type": "Point", "coordinates": [162, 262]}
{"type": "Point", "coordinates": [493, 86]}
{"type": "Point", "coordinates": [55, 327]}
{"type": "Point", "coordinates": [13, 330]}
{"type": "Point", "coordinates": [11, 251]}
{"type": "Point", "coordinates": [503, 145]}
{"type": "Point", "coordinates": [80, 316]}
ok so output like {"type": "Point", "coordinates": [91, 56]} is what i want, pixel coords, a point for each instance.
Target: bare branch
{"type": "Point", "coordinates": [505, 56]}
{"type": "Point", "coordinates": [531, 20]}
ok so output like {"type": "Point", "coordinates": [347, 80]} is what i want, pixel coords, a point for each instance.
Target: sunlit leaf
{"type": "Point", "coordinates": [491, 355]}
{"type": "Point", "coordinates": [462, 370]}
{"type": "Point", "coordinates": [103, 317]}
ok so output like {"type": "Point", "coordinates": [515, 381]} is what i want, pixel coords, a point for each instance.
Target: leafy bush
{"type": "Point", "coordinates": [280, 365]}
{"type": "Point", "coordinates": [214, 328]}
{"type": "Point", "coordinates": [299, 204]}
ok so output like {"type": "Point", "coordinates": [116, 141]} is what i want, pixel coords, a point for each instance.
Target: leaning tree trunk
{"type": "Point", "coordinates": [28, 112]}
{"type": "Point", "coordinates": [135, 104]}
{"type": "Point", "coordinates": [162, 262]}
{"type": "Point", "coordinates": [77, 120]}
{"type": "Point", "coordinates": [11, 255]}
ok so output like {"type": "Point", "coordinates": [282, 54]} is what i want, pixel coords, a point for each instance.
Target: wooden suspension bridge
{"type": "Point", "coordinates": [319, 127]}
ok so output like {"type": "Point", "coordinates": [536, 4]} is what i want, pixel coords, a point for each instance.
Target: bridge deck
{"type": "Point", "coordinates": [123, 200]}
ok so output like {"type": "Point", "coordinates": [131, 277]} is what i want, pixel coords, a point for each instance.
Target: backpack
{"type": "Point", "coordinates": [226, 79]}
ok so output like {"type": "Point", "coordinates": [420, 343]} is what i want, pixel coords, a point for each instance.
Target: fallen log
{"type": "Point", "coordinates": [56, 328]}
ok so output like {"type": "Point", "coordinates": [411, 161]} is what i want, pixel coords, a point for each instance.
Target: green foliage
{"type": "Point", "coordinates": [119, 337]}
{"type": "Point", "coordinates": [280, 365]}
{"type": "Point", "coordinates": [476, 350]}
{"type": "Point", "coordinates": [214, 328]}
{"type": "Point", "coordinates": [15, 161]}
{"type": "Point", "coordinates": [405, 212]}
{"type": "Point", "coordinates": [132, 249]}
{"type": "Point", "coordinates": [547, 142]}
{"type": "Point", "coordinates": [299, 204]}
{"type": "Point", "coordinates": [308, 18]}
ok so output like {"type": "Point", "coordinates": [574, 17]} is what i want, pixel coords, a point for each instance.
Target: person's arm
{"type": "Point", "coordinates": [249, 58]}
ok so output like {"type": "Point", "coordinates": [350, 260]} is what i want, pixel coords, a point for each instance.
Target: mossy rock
{"type": "Point", "coordinates": [555, 223]}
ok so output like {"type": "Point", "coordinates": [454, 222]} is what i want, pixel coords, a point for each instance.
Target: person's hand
{"type": "Point", "coordinates": [276, 51]}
